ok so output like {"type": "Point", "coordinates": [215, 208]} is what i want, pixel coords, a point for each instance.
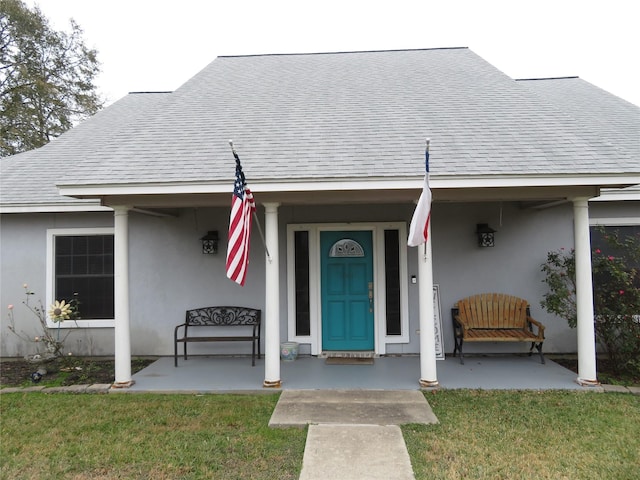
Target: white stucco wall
{"type": "Point", "coordinates": [23, 261]}
{"type": "Point", "coordinates": [169, 274]}
{"type": "Point", "coordinates": [522, 240]}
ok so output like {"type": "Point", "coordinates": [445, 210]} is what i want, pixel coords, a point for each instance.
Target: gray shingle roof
{"type": "Point", "coordinates": [613, 119]}
{"type": "Point", "coordinates": [605, 115]}
{"type": "Point", "coordinates": [31, 177]}
{"type": "Point", "coordinates": [346, 116]}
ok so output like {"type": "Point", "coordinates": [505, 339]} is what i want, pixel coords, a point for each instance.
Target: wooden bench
{"type": "Point", "coordinates": [249, 318]}
{"type": "Point", "coordinates": [495, 317]}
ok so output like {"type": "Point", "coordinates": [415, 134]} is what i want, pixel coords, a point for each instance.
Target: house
{"type": "Point", "coordinates": [332, 146]}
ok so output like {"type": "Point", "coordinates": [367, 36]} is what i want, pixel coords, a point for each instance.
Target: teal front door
{"type": "Point", "coordinates": [347, 290]}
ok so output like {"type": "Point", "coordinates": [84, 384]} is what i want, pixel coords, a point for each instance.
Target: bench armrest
{"type": "Point", "coordinates": [175, 332]}
{"type": "Point", "coordinates": [459, 325]}
{"type": "Point", "coordinates": [531, 321]}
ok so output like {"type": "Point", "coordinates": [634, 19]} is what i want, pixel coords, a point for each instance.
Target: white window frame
{"type": "Point", "coordinates": [614, 221]}
{"type": "Point", "coordinates": [50, 272]}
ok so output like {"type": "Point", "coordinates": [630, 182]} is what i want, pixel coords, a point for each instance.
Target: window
{"type": "Point", "coordinates": [81, 262]}
{"type": "Point", "coordinates": [392, 282]}
{"type": "Point", "coordinates": [303, 309]}
{"type": "Point", "coordinates": [598, 241]}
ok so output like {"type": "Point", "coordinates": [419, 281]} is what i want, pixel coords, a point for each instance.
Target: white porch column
{"type": "Point", "coordinates": [121, 293]}
{"type": "Point", "coordinates": [272, 299]}
{"type": "Point", "coordinates": [584, 294]}
{"type": "Point", "coordinates": [428, 370]}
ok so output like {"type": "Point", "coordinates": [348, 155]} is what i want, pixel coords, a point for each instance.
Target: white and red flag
{"type": "Point", "coordinates": [418, 231]}
{"type": "Point", "coordinates": [242, 208]}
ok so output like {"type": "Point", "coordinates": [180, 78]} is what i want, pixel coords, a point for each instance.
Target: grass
{"type": "Point", "coordinates": [481, 435]}
{"type": "Point", "coordinates": [145, 437]}
{"type": "Point", "coordinates": [532, 435]}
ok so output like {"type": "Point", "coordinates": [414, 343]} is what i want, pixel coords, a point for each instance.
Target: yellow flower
{"type": "Point", "coordinates": [60, 311]}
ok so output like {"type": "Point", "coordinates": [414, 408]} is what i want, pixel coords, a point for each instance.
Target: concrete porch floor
{"type": "Point", "coordinates": [235, 374]}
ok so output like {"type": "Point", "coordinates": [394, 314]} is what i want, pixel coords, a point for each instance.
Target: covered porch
{"type": "Point", "coordinates": [425, 370]}
{"type": "Point", "coordinates": [200, 374]}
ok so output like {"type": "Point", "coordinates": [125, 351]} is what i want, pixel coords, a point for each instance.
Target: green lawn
{"type": "Point", "coordinates": [552, 435]}
{"type": "Point", "coordinates": [139, 436]}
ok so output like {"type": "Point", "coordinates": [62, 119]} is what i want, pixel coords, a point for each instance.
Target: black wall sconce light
{"type": "Point", "coordinates": [486, 237]}
{"type": "Point", "coordinates": [210, 242]}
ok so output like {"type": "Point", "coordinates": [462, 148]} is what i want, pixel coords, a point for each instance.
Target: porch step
{"type": "Point", "coordinates": [298, 408]}
{"type": "Point", "coordinates": [348, 354]}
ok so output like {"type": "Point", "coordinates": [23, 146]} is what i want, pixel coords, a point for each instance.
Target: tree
{"type": "Point", "coordinates": [46, 78]}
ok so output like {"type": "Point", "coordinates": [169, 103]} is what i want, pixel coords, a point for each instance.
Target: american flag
{"type": "Point", "coordinates": [418, 231]}
{"type": "Point", "coordinates": [242, 208]}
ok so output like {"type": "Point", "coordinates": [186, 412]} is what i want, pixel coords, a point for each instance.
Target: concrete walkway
{"type": "Point", "coordinates": [355, 452]}
{"type": "Point", "coordinates": [353, 434]}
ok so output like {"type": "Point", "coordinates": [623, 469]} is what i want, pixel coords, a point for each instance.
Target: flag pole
{"type": "Point", "coordinates": [255, 215]}
{"type": "Point", "coordinates": [264, 242]}
{"type": "Point", "coordinates": [428, 142]}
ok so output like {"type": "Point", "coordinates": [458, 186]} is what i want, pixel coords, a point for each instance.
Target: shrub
{"type": "Point", "coordinates": [616, 296]}
{"type": "Point", "coordinates": [48, 337]}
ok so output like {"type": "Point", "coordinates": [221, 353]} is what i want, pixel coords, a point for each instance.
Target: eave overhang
{"type": "Point", "coordinates": [441, 182]}
{"type": "Point", "coordinates": [532, 190]}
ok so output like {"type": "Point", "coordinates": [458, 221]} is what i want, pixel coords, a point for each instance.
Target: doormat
{"type": "Point", "coordinates": [349, 361]}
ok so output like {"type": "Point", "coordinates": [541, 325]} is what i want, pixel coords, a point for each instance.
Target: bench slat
{"type": "Point", "coordinates": [499, 335]}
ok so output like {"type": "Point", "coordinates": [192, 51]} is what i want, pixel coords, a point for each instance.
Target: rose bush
{"type": "Point", "coordinates": [616, 296]}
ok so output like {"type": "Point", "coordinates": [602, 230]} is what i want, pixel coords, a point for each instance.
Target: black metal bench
{"type": "Point", "coordinates": [219, 317]}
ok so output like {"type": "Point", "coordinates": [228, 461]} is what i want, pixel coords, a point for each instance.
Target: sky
{"type": "Point", "coordinates": [157, 45]}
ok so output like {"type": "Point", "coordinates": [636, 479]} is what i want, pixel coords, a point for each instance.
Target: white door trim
{"type": "Point", "coordinates": [377, 228]}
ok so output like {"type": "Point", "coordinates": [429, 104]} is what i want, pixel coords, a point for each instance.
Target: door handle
{"type": "Point", "coordinates": [370, 297]}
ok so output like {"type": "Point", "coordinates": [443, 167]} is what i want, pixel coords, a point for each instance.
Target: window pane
{"type": "Point", "coordinates": [303, 316]}
{"type": "Point", "coordinates": [79, 245]}
{"type": "Point", "coordinates": [107, 243]}
{"type": "Point", "coordinates": [392, 281]}
{"type": "Point", "coordinates": [63, 245]}
{"type": "Point", "coordinates": [64, 288]}
{"type": "Point", "coordinates": [95, 264]}
{"type": "Point", "coordinates": [63, 264]}
{"type": "Point", "coordinates": [95, 244]}
{"type": "Point", "coordinates": [108, 262]}
{"type": "Point", "coordinates": [79, 265]}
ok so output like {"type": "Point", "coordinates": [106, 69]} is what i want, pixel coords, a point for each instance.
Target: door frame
{"type": "Point", "coordinates": [381, 339]}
